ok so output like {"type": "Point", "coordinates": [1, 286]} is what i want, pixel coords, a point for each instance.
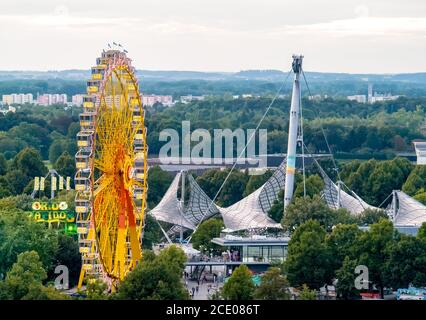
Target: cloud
{"type": "Point", "coordinates": [362, 26]}
{"type": "Point", "coordinates": [62, 19]}
{"type": "Point", "coordinates": [362, 11]}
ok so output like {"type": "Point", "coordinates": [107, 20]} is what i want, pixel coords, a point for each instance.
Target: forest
{"type": "Point", "coordinates": [353, 130]}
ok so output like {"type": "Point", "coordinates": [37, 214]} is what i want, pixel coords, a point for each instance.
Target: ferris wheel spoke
{"type": "Point", "coordinates": [102, 184]}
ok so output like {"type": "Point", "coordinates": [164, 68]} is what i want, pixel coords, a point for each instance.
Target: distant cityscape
{"type": "Point", "coordinates": [77, 100]}
{"type": "Point", "coordinates": [372, 97]}
{"type": "Point", "coordinates": [44, 99]}
{"type": "Point", "coordinates": [8, 100]}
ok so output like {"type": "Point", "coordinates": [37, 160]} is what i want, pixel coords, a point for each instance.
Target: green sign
{"type": "Point", "coordinates": [54, 212]}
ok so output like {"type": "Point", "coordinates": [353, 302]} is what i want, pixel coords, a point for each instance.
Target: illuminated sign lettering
{"type": "Point", "coordinates": [52, 212]}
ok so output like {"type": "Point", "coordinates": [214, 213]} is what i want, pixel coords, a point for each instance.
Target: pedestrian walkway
{"type": "Point", "coordinates": [204, 289]}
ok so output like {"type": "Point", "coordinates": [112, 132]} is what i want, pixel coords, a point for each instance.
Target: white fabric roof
{"type": "Point", "coordinates": [410, 212]}
{"type": "Point", "coordinates": [354, 204]}
{"type": "Point", "coordinates": [247, 214]}
{"type": "Point", "coordinates": [199, 206]}
{"type": "Point", "coordinates": [252, 211]}
{"type": "Point", "coordinates": [169, 209]}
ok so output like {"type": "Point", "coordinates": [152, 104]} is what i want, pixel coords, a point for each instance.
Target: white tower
{"type": "Point", "coordinates": [370, 93]}
{"type": "Point", "coordinates": [293, 130]}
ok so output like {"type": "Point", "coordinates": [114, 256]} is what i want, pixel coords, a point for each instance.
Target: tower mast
{"type": "Point", "coordinates": [293, 130]}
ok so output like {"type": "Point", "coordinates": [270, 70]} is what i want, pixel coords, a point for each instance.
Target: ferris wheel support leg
{"type": "Point", "coordinates": [81, 278]}
{"type": "Point", "coordinates": [134, 244]}
{"type": "Point", "coordinates": [120, 256]}
{"type": "Point", "coordinates": [133, 234]}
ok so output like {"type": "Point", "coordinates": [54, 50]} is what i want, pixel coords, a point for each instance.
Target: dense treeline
{"type": "Point", "coordinates": [348, 126]}
{"type": "Point", "coordinates": [49, 130]}
{"type": "Point", "coordinates": [219, 87]}
{"type": "Point", "coordinates": [352, 129]}
{"type": "Point", "coordinates": [317, 257]}
{"type": "Point", "coordinates": [35, 87]}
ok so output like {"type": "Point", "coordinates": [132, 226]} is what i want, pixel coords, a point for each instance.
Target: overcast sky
{"type": "Point", "coordinates": [374, 36]}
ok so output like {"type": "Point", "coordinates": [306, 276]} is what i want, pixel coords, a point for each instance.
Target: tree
{"type": "Point", "coordinates": [346, 279]}
{"type": "Point", "coordinates": [421, 196]}
{"type": "Point", "coordinates": [421, 233]}
{"type": "Point", "coordinates": [25, 274]}
{"type": "Point", "coordinates": [277, 209]}
{"type": "Point", "coordinates": [61, 123]}
{"type": "Point", "coordinates": [304, 209]}
{"type": "Point", "coordinates": [16, 181]}
{"type": "Point", "coordinates": [341, 243]}
{"type": "Point", "coordinates": [5, 188]}
{"type": "Point", "coordinates": [68, 254]}
{"type": "Point", "coordinates": [240, 285]}
{"type": "Point", "coordinates": [372, 250]}
{"type": "Point", "coordinates": [415, 181]}
{"type": "Point", "coordinates": [96, 289]}
{"type": "Point", "coordinates": [407, 263]}
{"type": "Point", "coordinates": [19, 234]}
{"type": "Point", "coordinates": [314, 185]}
{"type": "Point", "coordinates": [158, 181]}
{"type": "Point", "coordinates": [30, 163]}
{"type": "Point", "coordinates": [152, 233]}
{"type": "Point", "coordinates": [59, 146]}
{"type": "Point", "coordinates": [307, 294]}
{"type": "Point", "coordinates": [205, 232]}
{"type": "Point", "coordinates": [308, 260]}
{"type": "Point", "coordinates": [65, 165]}
{"type": "Point", "coordinates": [39, 292]}
{"type": "Point", "coordinates": [3, 164]}
{"type": "Point", "coordinates": [232, 190]}
{"type": "Point", "coordinates": [274, 286]}
{"type": "Point", "coordinates": [21, 202]}
{"type": "Point", "coordinates": [374, 180]}
{"type": "Point", "coordinates": [55, 150]}
{"type": "Point", "coordinates": [73, 129]}
{"type": "Point", "coordinates": [370, 216]}
{"type": "Point", "coordinates": [156, 277]}
{"type": "Point", "coordinates": [256, 181]}
{"type": "Point", "coordinates": [399, 143]}
{"type": "Point", "coordinates": [34, 135]}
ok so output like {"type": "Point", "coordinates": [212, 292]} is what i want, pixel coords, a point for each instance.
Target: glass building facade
{"type": "Point", "coordinates": [255, 251]}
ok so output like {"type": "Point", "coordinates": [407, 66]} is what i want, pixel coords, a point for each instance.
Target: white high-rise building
{"type": "Point", "coordinates": [49, 99]}
{"type": "Point", "coordinates": [7, 99]}
{"type": "Point", "coordinates": [150, 100]}
{"type": "Point", "coordinates": [77, 99]}
{"type": "Point", "coordinates": [17, 98]}
{"type": "Point", "coordinates": [26, 98]}
{"type": "Point", "coordinates": [59, 98]}
{"type": "Point", "coordinates": [360, 98]}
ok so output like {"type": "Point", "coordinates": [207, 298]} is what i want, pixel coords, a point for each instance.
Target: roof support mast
{"type": "Point", "coordinates": [182, 203]}
{"type": "Point", "coordinates": [293, 130]}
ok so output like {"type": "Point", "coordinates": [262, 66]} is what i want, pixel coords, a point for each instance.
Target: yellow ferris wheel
{"type": "Point", "coordinates": [111, 178]}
